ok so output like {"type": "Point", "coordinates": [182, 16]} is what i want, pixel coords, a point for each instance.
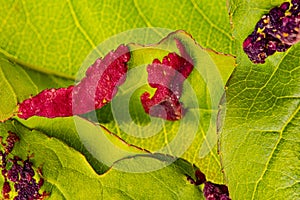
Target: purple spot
{"type": "Point", "coordinates": [5, 190]}
{"type": "Point", "coordinates": [20, 174]}
{"type": "Point", "coordinates": [275, 31]}
{"type": "Point", "coordinates": [213, 191]}
{"type": "Point", "coordinates": [10, 141]}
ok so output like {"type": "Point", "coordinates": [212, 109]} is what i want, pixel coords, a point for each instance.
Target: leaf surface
{"type": "Point", "coordinates": [260, 139]}
{"type": "Point", "coordinates": [48, 41]}
{"type": "Point", "coordinates": [18, 83]}
{"type": "Point", "coordinates": [194, 136]}
{"type": "Point", "coordinates": [58, 35]}
{"type": "Point", "coordinates": [67, 174]}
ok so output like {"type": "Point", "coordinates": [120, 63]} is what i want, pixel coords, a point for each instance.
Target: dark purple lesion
{"type": "Point", "coordinates": [211, 191]}
{"type": "Point", "coordinates": [167, 76]}
{"type": "Point", "coordinates": [19, 175]}
{"type": "Point", "coordinates": [276, 31]}
{"type": "Point", "coordinates": [94, 91]}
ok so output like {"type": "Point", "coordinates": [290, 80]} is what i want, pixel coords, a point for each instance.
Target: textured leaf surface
{"type": "Point", "coordinates": [202, 152]}
{"type": "Point", "coordinates": [59, 34]}
{"type": "Point", "coordinates": [194, 136]}
{"type": "Point", "coordinates": [260, 141]}
{"type": "Point", "coordinates": [64, 129]}
{"type": "Point", "coordinates": [49, 41]}
{"type": "Point", "coordinates": [67, 174]}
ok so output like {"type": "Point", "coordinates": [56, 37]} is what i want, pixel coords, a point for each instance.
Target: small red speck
{"type": "Point", "coordinates": [247, 43]}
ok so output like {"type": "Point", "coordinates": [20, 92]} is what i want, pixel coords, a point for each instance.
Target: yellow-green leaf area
{"type": "Point", "coordinates": [58, 35]}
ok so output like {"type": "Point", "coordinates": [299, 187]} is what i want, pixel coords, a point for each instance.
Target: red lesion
{"type": "Point", "coordinates": [95, 90]}
{"type": "Point", "coordinates": [167, 76]}
{"type": "Point", "coordinates": [247, 43]}
{"type": "Point", "coordinates": [99, 86]}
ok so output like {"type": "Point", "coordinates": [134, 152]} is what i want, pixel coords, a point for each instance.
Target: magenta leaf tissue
{"type": "Point", "coordinates": [167, 76]}
{"type": "Point", "coordinates": [95, 90]}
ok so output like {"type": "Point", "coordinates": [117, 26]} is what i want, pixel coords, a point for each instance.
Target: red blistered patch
{"type": "Point", "coordinates": [49, 103]}
{"type": "Point", "coordinates": [168, 77]}
{"type": "Point", "coordinates": [95, 90]}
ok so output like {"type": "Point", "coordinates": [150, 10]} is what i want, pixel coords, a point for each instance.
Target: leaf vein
{"type": "Point", "coordinates": [209, 21]}
{"type": "Point", "coordinates": [267, 82]}
{"type": "Point", "coordinates": [79, 26]}
{"type": "Point", "coordinates": [273, 151]}
{"type": "Point", "coordinates": [163, 183]}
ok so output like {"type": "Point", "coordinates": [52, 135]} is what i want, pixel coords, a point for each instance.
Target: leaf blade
{"type": "Point", "coordinates": [64, 32]}
{"type": "Point", "coordinates": [262, 111]}
{"type": "Point", "coordinates": [67, 174]}
{"type": "Point", "coordinates": [201, 94]}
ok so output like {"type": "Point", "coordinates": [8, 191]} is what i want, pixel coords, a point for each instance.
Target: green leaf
{"type": "Point", "coordinates": [65, 130]}
{"type": "Point", "coordinates": [18, 83]}
{"type": "Point", "coordinates": [260, 140]}
{"type": "Point", "coordinates": [68, 175]}
{"type": "Point", "coordinates": [202, 147]}
{"type": "Point", "coordinates": [194, 137]}
{"type": "Point", "coordinates": [58, 35]}
{"type": "Point", "coordinates": [169, 183]}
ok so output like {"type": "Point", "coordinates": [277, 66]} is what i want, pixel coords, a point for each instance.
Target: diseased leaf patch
{"type": "Point", "coordinates": [211, 190]}
{"type": "Point", "coordinates": [99, 86]}
{"type": "Point", "coordinates": [274, 32]}
{"type": "Point", "coordinates": [19, 173]}
{"type": "Point", "coordinates": [92, 92]}
{"type": "Point", "coordinates": [167, 76]}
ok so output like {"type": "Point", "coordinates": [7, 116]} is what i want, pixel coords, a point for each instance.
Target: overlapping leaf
{"type": "Point", "coordinates": [193, 137]}
{"type": "Point", "coordinates": [205, 80]}
{"type": "Point", "coordinates": [260, 139]}
{"type": "Point", "coordinates": [68, 175]}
